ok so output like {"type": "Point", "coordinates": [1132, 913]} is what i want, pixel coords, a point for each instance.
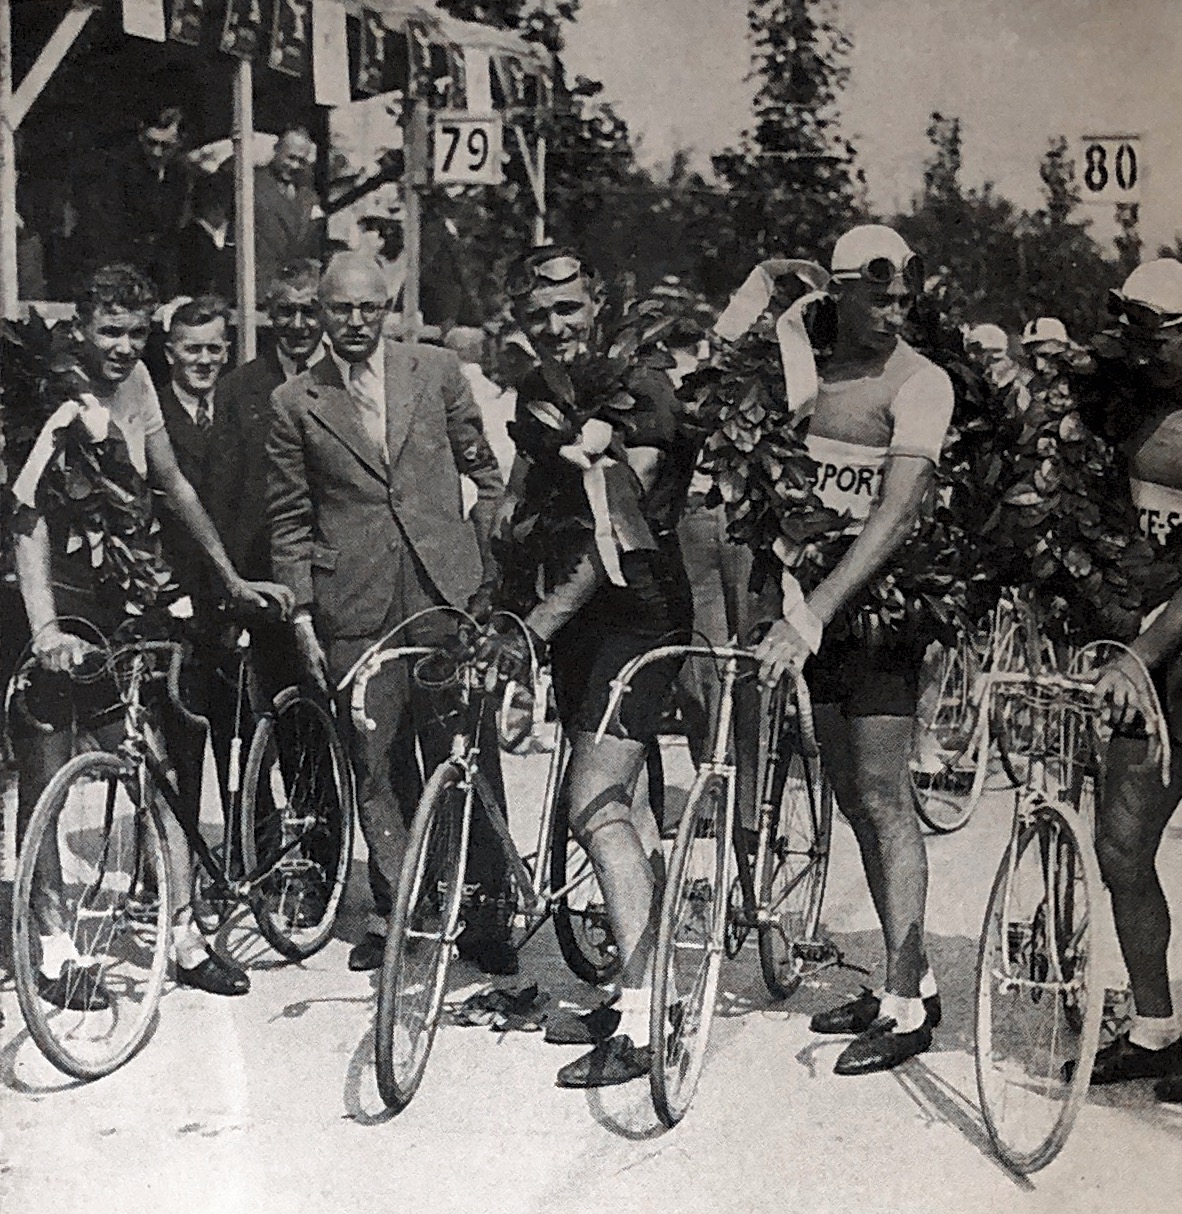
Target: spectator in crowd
{"type": "Point", "coordinates": [365, 454]}
{"type": "Point", "coordinates": [140, 203]}
{"type": "Point", "coordinates": [287, 216]}
{"type": "Point", "coordinates": [205, 246]}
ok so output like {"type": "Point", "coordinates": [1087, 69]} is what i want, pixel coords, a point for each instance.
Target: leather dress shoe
{"type": "Point", "coordinates": [881, 1047]}
{"type": "Point", "coordinates": [610, 1062]}
{"type": "Point", "coordinates": [76, 988]}
{"type": "Point", "coordinates": [1121, 1060]}
{"type": "Point", "coordinates": [859, 1014]}
{"type": "Point", "coordinates": [366, 954]}
{"type": "Point", "coordinates": [214, 975]}
{"type": "Point", "coordinates": [572, 1028]}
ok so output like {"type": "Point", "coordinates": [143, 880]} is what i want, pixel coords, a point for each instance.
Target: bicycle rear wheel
{"type": "Point", "coordinates": [421, 940]}
{"type": "Point", "coordinates": [690, 945]}
{"type": "Point", "coordinates": [92, 878]}
{"type": "Point", "coordinates": [1038, 1004]}
{"type": "Point", "coordinates": [297, 824]}
{"type": "Point", "coordinates": [793, 865]}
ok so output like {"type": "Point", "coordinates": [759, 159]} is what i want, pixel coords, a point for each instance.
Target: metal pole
{"type": "Point", "coordinates": [9, 287]}
{"type": "Point", "coordinates": [244, 207]}
{"type": "Point", "coordinates": [540, 217]}
{"type": "Point", "coordinates": [415, 181]}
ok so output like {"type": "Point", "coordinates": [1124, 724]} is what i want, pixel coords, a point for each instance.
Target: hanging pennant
{"type": "Point", "coordinates": [144, 19]}
{"type": "Point", "coordinates": [477, 73]}
{"type": "Point", "coordinates": [330, 53]}
{"type": "Point", "coordinates": [440, 64]}
{"type": "Point", "coordinates": [455, 83]}
{"type": "Point", "coordinates": [418, 38]}
{"type": "Point", "coordinates": [244, 29]}
{"type": "Point", "coordinates": [186, 21]}
{"type": "Point", "coordinates": [291, 37]}
{"type": "Point", "coordinates": [370, 74]}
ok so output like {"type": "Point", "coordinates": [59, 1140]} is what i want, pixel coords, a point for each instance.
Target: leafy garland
{"type": "Point", "coordinates": [551, 526]}
{"type": "Point", "coordinates": [98, 506]}
{"type": "Point", "coordinates": [766, 479]}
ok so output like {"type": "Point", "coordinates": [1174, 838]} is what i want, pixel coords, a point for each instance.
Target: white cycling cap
{"type": "Point", "coordinates": [1045, 328]}
{"type": "Point", "coordinates": [1156, 283]}
{"type": "Point", "coordinates": [987, 337]}
{"type": "Point", "coordinates": [864, 244]}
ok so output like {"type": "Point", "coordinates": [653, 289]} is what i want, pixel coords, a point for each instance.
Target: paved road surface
{"type": "Point", "coordinates": [268, 1103]}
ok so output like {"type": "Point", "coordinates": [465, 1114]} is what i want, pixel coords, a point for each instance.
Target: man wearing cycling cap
{"type": "Point", "coordinates": [1134, 809]}
{"type": "Point", "coordinates": [877, 426]}
{"type": "Point", "coordinates": [1044, 329]}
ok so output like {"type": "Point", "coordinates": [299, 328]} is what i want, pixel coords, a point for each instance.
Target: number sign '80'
{"type": "Point", "coordinates": [1110, 168]}
{"type": "Point", "coordinates": [468, 150]}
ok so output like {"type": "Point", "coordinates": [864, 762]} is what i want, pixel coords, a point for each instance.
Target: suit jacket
{"type": "Point", "coordinates": [337, 513]}
{"type": "Point", "coordinates": [236, 481]}
{"type": "Point", "coordinates": [202, 268]}
{"type": "Point", "coordinates": [284, 228]}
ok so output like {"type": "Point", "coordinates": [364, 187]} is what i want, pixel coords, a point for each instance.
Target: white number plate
{"type": "Point", "coordinates": [468, 150]}
{"type": "Point", "coordinates": [1110, 168]}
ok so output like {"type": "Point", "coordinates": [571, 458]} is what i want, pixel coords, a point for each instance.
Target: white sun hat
{"type": "Point", "coordinates": [1158, 284]}
{"type": "Point", "coordinates": [987, 337]}
{"type": "Point", "coordinates": [1045, 328]}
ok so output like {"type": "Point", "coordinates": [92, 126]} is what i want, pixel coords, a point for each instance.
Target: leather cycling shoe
{"type": "Point", "coordinates": [76, 988]}
{"type": "Point", "coordinates": [366, 954]}
{"type": "Point", "coordinates": [214, 975]}
{"type": "Point", "coordinates": [1121, 1060]}
{"type": "Point", "coordinates": [610, 1062]}
{"type": "Point", "coordinates": [571, 1028]}
{"type": "Point", "coordinates": [859, 1014]}
{"type": "Point", "coordinates": [881, 1047]}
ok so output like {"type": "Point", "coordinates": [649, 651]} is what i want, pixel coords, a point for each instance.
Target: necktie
{"type": "Point", "coordinates": [365, 391]}
{"type": "Point", "coordinates": [204, 416]}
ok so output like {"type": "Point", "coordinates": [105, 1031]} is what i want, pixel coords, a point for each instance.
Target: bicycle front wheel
{"type": "Point", "coordinates": [793, 859]}
{"type": "Point", "coordinates": [297, 824]}
{"type": "Point", "coordinates": [1038, 1004]}
{"type": "Point", "coordinates": [91, 916]}
{"type": "Point", "coordinates": [690, 944]}
{"type": "Point", "coordinates": [421, 940]}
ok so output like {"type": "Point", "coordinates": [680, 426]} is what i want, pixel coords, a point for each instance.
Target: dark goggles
{"type": "Point", "coordinates": [1139, 315]}
{"type": "Point", "coordinates": [882, 271]}
{"type": "Point", "coordinates": [549, 267]}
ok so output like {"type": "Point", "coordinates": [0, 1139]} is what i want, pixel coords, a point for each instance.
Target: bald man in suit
{"type": "Point", "coordinates": [365, 454]}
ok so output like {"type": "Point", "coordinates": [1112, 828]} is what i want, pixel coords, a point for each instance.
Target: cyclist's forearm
{"type": "Point", "coordinates": [564, 602]}
{"type": "Point", "coordinates": [31, 551]}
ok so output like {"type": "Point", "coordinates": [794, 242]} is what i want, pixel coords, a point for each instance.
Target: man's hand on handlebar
{"type": "Point", "coordinates": [311, 652]}
{"type": "Point", "coordinates": [61, 652]}
{"type": "Point", "coordinates": [505, 655]}
{"type": "Point", "coordinates": [261, 595]}
{"type": "Point", "coordinates": [782, 649]}
{"type": "Point", "coordinates": [1122, 686]}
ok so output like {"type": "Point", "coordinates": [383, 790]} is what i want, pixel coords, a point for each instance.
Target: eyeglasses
{"type": "Point", "coordinates": [882, 271]}
{"type": "Point", "coordinates": [370, 310]}
{"type": "Point", "coordinates": [1137, 314]}
{"type": "Point", "coordinates": [547, 267]}
{"type": "Point", "coordinates": [289, 312]}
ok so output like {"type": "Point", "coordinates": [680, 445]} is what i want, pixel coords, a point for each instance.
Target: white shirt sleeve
{"type": "Point", "coordinates": [921, 412]}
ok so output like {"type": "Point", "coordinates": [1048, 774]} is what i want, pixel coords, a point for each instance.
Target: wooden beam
{"type": "Point", "coordinates": [416, 178]}
{"type": "Point", "coordinates": [50, 59]}
{"type": "Point", "coordinates": [244, 209]}
{"type": "Point", "coordinates": [9, 287]}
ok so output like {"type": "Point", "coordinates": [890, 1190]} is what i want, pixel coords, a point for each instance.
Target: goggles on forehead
{"type": "Point", "coordinates": [545, 268]}
{"type": "Point", "coordinates": [1140, 315]}
{"type": "Point", "coordinates": [882, 271]}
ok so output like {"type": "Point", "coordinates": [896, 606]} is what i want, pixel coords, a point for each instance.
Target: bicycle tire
{"type": "Point", "coordinates": [112, 872]}
{"type": "Point", "coordinates": [1032, 970]}
{"type": "Point", "coordinates": [794, 866]}
{"type": "Point", "coordinates": [580, 914]}
{"type": "Point", "coordinates": [297, 789]}
{"type": "Point", "coordinates": [421, 940]}
{"type": "Point", "coordinates": [693, 916]}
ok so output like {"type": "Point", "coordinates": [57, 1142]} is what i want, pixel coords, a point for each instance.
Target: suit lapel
{"type": "Point", "coordinates": [335, 410]}
{"type": "Point", "coordinates": [402, 396]}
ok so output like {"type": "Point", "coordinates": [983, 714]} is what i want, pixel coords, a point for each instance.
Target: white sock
{"type": "Point", "coordinates": [188, 944]}
{"type": "Point", "coordinates": [633, 1006]}
{"type": "Point", "coordinates": [927, 986]}
{"type": "Point", "coordinates": [908, 1014]}
{"type": "Point", "coordinates": [1154, 1032]}
{"type": "Point", "coordinates": [56, 950]}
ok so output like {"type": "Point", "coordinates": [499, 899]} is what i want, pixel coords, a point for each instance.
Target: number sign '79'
{"type": "Point", "coordinates": [468, 150]}
{"type": "Point", "coordinates": [1110, 168]}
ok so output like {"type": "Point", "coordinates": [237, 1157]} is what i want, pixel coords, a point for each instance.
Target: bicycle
{"type": "Point", "coordinates": [1039, 1003]}
{"type": "Point", "coordinates": [777, 890]}
{"type": "Point", "coordinates": [953, 726]}
{"type": "Point", "coordinates": [95, 856]}
{"type": "Point", "coordinates": [428, 913]}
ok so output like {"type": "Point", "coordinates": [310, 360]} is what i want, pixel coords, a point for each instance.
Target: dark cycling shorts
{"type": "Point", "coordinates": [866, 681]}
{"type": "Point", "coordinates": [1167, 682]}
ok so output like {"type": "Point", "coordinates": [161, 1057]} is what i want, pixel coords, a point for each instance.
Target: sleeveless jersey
{"type": "Point", "coordinates": [1155, 475]}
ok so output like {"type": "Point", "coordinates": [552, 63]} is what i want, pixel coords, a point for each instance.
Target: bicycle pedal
{"type": "Point", "coordinates": [816, 952]}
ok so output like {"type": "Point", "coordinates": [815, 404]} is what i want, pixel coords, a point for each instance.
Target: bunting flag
{"type": "Point", "coordinates": [478, 76]}
{"type": "Point", "coordinates": [291, 37]}
{"type": "Point", "coordinates": [244, 29]}
{"type": "Point", "coordinates": [509, 82]}
{"type": "Point", "coordinates": [418, 38]}
{"type": "Point", "coordinates": [144, 19]}
{"type": "Point", "coordinates": [455, 94]}
{"type": "Point", "coordinates": [330, 53]}
{"type": "Point", "coordinates": [370, 76]}
{"type": "Point", "coordinates": [186, 21]}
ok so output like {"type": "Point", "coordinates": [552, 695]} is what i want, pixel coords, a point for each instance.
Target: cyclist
{"type": "Point", "coordinates": [878, 423]}
{"type": "Point", "coordinates": [1134, 808]}
{"type": "Point", "coordinates": [119, 404]}
{"type": "Point", "coordinates": [593, 621]}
